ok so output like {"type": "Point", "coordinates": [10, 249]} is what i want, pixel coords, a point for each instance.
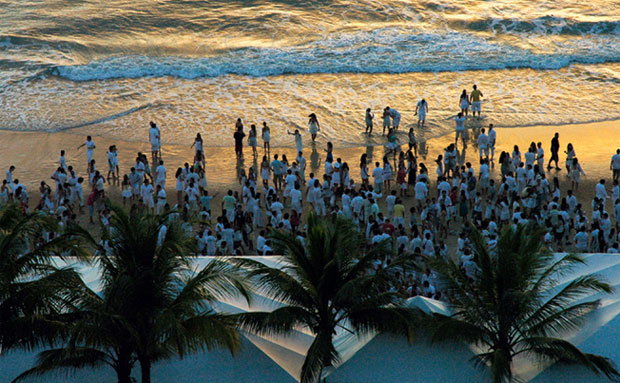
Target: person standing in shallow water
{"type": "Point", "coordinates": [421, 110]}
{"type": "Point", "coordinates": [313, 126]}
{"type": "Point", "coordinates": [369, 118]}
{"type": "Point", "coordinates": [266, 135]}
{"type": "Point", "coordinates": [464, 102]}
{"type": "Point", "coordinates": [555, 148]}
{"type": "Point", "coordinates": [474, 98]}
{"type": "Point", "coordinates": [155, 139]}
{"type": "Point", "coordinates": [238, 136]}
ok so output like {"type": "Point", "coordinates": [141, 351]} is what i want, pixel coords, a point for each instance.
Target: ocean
{"type": "Point", "coordinates": [109, 67]}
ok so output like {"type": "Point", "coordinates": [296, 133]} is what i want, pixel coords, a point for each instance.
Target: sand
{"type": "Point", "coordinates": [36, 156]}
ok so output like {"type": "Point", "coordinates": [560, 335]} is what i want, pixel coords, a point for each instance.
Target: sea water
{"type": "Point", "coordinates": [109, 67]}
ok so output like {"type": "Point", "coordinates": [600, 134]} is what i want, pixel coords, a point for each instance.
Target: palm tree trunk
{"type": "Point", "coordinates": [145, 369]}
{"type": "Point", "coordinates": [123, 372]}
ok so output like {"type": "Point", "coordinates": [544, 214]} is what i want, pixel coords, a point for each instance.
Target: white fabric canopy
{"type": "Point", "coordinates": [371, 358]}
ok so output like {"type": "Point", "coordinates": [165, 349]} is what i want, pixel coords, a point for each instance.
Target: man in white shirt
{"type": "Point", "coordinates": [377, 174]}
{"type": "Point", "coordinates": [155, 139]}
{"type": "Point", "coordinates": [540, 157]}
{"type": "Point", "coordinates": [601, 192]}
{"type": "Point", "coordinates": [460, 129]}
{"type": "Point", "coordinates": [161, 199]}
{"type": "Point", "coordinates": [90, 149]}
{"type": "Point", "coordinates": [160, 175]}
{"type": "Point", "coordinates": [296, 199]}
{"type": "Point", "coordinates": [421, 192]}
{"type": "Point", "coordinates": [483, 144]}
{"type": "Point", "coordinates": [615, 165]}
{"type": "Point", "coordinates": [492, 140]}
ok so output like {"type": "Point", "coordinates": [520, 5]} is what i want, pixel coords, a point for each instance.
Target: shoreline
{"type": "Point", "coordinates": [36, 154]}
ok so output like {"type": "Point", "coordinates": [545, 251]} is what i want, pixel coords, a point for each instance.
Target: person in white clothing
{"type": "Point", "coordinates": [147, 195]}
{"type": "Point", "coordinates": [160, 175]}
{"type": "Point", "coordinates": [421, 110]}
{"type": "Point", "coordinates": [298, 140]}
{"type": "Point", "coordinates": [161, 199]}
{"type": "Point", "coordinates": [395, 117]}
{"type": "Point", "coordinates": [155, 139]}
{"type": "Point", "coordinates": [90, 149]}
{"type": "Point", "coordinates": [483, 144]}
{"type": "Point", "coordinates": [614, 166]}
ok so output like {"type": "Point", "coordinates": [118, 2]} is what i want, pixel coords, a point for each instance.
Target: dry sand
{"type": "Point", "coordinates": [36, 155]}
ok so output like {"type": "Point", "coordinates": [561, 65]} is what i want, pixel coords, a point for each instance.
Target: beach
{"type": "Point", "coordinates": [36, 155]}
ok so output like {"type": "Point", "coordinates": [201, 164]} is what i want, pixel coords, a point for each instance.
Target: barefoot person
{"type": "Point", "coordinates": [155, 139]}
{"type": "Point", "coordinates": [386, 121]}
{"type": "Point", "coordinates": [90, 149]}
{"type": "Point", "coordinates": [474, 98]}
{"type": "Point", "coordinates": [238, 136]}
{"type": "Point", "coordinates": [460, 128]}
{"type": "Point", "coordinates": [266, 135]}
{"type": "Point", "coordinates": [369, 118]}
{"type": "Point", "coordinates": [555, 148]}
{"type": "Point", "coordinates": [421, 110]}
{"type": "Point", "coordinates": [252, 140]}
{"type": "Point", "coordinates": [313, 126]}
{"type": "Point", "coordinates": [298, 142]}
{"type": "Point", "coordinates": [464, 102]}
{"type": "Point", "coordinates": [395, 117]}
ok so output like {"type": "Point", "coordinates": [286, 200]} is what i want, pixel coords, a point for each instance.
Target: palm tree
{"type": "Point", "coordinates": [325, 285]}
{"type": "Point", "coordinates": [164, 305]}
{"type": "Point", "coordinates": [152, 304]}
{"type": "Point", "coordinates": [515, 306]}
{"type": "Point", "coordinates": [97, 335]}
{"type": "Point", "coordinates": [33, 291]}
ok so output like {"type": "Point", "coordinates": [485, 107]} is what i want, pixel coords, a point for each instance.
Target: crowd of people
{"type": "Point", "coordinates": [396, 200]}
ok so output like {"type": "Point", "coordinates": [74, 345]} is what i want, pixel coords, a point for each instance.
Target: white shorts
{"type": "Point", "coordinates": [396, 122]}
{"type": "Point", "coordinates": [475, 106]}
{"type": "Point", "coordinates": [421, 116]}
{"type": "Point", "coordinates": [155, 146]}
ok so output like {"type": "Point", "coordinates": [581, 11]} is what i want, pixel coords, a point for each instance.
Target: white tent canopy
{"type": "Point", "coordinates": [371, 358]}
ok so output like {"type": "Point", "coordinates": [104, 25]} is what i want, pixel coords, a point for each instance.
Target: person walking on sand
{"type": "Point", "coordinates": [155, 139]}
{"type": "Point", "coordinates": [369, 118]}
{"type": "Point", "coordinates": [460, 128]}
{"type": "Point", "coordinates": [395, 117]}
{"type": "Point", "coordinates": [238, 136]}
{"type": "Point", "coordinates": [555, 148]}
{"type": "Point", "coordinates": [492, 139]}
{"type": "Point", "coordinates": [421, 110]}
{"type": "Point", "coordinates": [313, 126]}
{"type": "Point", "coordinates": [474, 99]}
{"type": "Point", "coordinates": [90, 149]}
{"type": "Point", "coordinates": [252, 140]}
{"type": "Point", "coordinates": [198, 144]}
{"type": "Point", "coordinates": [266, 135]}
{"type": "Point", "coordinates": [386, 120]}
{"type": "Point", "coordinates": [298, 142]}
{"type": "Point", "coordinates": [614, 166]}
{"type": "Point", "coordinates": [464, 102]}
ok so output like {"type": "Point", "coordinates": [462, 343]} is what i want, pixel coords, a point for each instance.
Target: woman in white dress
{"type": "Point", "coordinates": [266, 135]}
{"type": "Point", "coordinates": [570, 155]}
{"type": "Point", "coordinates": [464, 102]}
{"type": "Point", "coordinates": [313, 126]}
{"type": "Point", "coordinates": [126, 187]}
{"type": "Point", "coordinates": [576, 172]}
{"type": "Point", "coordinates": [180, 185]}
{"type": "Point", "coordinates": [252, 141]}
{"type": "Point", "coordinates": [197, 145]}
